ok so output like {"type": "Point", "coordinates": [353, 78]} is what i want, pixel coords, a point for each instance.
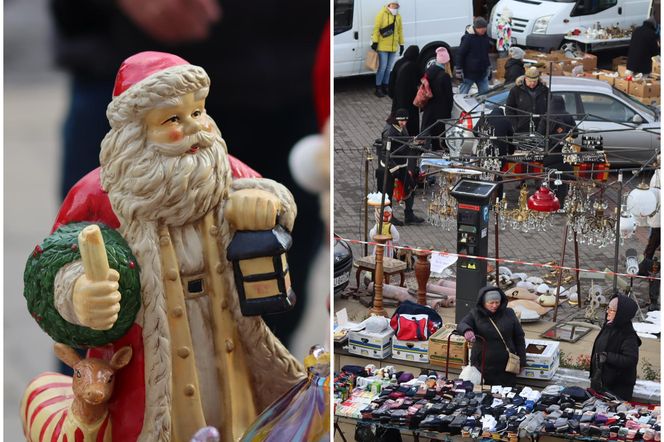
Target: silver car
{"type": "Point", "coordinates": [631, 135]}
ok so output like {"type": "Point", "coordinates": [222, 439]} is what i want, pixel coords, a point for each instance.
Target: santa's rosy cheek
{"type": "Point", "coordinates": [175, 135]}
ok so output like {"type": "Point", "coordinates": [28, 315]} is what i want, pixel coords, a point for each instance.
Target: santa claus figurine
{"type": "Point", "coordinates": [169, 200]}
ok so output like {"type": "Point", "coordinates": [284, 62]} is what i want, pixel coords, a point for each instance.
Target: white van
{"type": "Point", "coordinates": [544, 23]}
{"type": "Point", "coordinates": [426, 23]}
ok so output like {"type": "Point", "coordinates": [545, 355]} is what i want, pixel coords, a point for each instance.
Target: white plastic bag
{"type": "Point", "coordinates": [470, 373]}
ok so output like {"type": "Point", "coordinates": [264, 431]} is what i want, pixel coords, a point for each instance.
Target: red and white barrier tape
{"type": "Point", "coordinates": [502, 260]}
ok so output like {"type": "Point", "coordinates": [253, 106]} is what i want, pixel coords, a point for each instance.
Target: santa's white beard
{"type": "Point", "coordinates": [166, 184]}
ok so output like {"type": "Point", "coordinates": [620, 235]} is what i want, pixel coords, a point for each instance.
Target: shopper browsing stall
{"type": "Point", "coordinates": [615, 352]}
{"type": "Point", "coordinates": [643, 45]}
{"type": "Point", "coordinates": [528, 96]}
{"type": "Point", "coordinates": [514, 66]}
{"type": "Point", "coordinates": [439, 107]}
{"type": "Point", "coordinates": [404, 80]}
{"type": "Point", "coordinates": [501, 329]}
{"type": "Point", "coordinates": [404, 169]}
{"type": "Point", "coordinates": [387, 39]}
{"type": "Point", "coordinates": [473, 57]}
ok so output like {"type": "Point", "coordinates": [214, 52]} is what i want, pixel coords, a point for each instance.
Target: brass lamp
{"type": "Point", "coordinates": [261, 271]}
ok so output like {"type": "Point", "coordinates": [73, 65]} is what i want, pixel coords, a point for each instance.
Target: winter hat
{"type": "Point", "coordinates": [516, 53]}
{"type": "Point", "coordinates": [479, 22]}
{"type": "Point", "coordinates": [492, 295]}
{"type": "Point", "coordinates": [401, 115]}
{"type": "Point", "coordinates": [442, 56]}
{"type": "Point", "coordinates": [532, 73]}
{"type": "Point", "coordinates": [147, 78]}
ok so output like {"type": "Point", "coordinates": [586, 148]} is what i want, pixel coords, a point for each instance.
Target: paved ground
{"type": "Point", "coordinates": [359, 119]}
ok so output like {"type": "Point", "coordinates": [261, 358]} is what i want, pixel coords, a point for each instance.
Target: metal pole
{"type": "Point", "coordinates": [366, 203]}
{"type": "Point", "coordinates": [617, 252]}
{"type": "Point", "coordinates": [560, 274]}
{"type": "Point", "coordinates": [496, 235]}
{"type": "Point", "coordinates": [578, 280]}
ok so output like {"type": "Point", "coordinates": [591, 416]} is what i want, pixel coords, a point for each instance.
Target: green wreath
{"type": "Point", "coordinates": [60, 249]}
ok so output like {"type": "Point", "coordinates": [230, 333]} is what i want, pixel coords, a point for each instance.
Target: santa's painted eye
{"type": "Point", "coordinates": [110, 379]}
{"type": "Point", "coordinates": [173, 119]}
{"type": "Point", "coordinates": [196, 114]}
{"type": "Point", "coordinates": [78, 373]}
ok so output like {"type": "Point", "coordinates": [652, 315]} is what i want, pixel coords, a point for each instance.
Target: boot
{"type": "Point", "coordinates": [396, 221]}
{"type": "Point", "coordinates": [384, 89]}
{"type": "Point", "coordinates": [379, 92]}
{"type": "Point", "coordinates": [411, 218]}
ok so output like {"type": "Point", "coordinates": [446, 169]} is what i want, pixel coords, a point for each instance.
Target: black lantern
{"type": "Point", "coordinates": [261, 271]}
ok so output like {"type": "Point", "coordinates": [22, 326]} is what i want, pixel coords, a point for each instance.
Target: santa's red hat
{"type": "Point", "coordinates": [147, 78]}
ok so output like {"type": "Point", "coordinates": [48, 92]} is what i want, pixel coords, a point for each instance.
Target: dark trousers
{"type": "Point", "coordinates": [653, 243]}
{"type": "Point", "coordinates": [389, 189]}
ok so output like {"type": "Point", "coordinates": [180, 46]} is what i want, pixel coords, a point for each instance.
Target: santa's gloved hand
{"type": "Point", "coordinates": [252, 209]}
{"type": "Point", "coordinates": [469, 335]}
{"type": "Point", "coordinates": [400, 50]}
{"type": "Point", "coordinates": [374, 46]}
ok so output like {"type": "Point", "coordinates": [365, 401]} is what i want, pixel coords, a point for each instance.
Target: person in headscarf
{"type": "Point", "coordinates": [514, 66]}
{"type": "Point", "coordinates": [615, 352]}
{"type": "Point", "coordinates": [404, 81]}
{"type": "Point", "coordinates": [492, 306]}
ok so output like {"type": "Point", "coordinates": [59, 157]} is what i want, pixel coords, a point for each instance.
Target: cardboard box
{"type": "Point", "coordinates": [655, 88]}
{"type": "Point", "coordinates": [556, 56]}
{"type": "Point", "coordinates": [618, 61]}
{"type": "Point", "coordinates": [542, 353]}
{"type": "Point", "coordinates": [656, 65]}
{"type": "Point", "coordinates": [607, 76]}
{"type": "Point", "coordinates": [639, 89]}
{"type": "Point", "coordinates": [458, 355]}
{"type": "Point", "coordinates": [650, 101]}
{"type": "Point", "coordinates": [622, 70]}
{"type": "Point", "coordinates": [417, 351]}
{"type": "Point", "coordinates": [540, 373]}
{"type": "Point", "coordinates": [622, 85]}
{"type": "Point", "coordinates": [589, 62]}
{"type": "Point", "coordinates": [371, 345]}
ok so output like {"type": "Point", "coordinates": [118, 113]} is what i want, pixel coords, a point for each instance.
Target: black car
{"type": "Point", "coordinates": [343, 264]}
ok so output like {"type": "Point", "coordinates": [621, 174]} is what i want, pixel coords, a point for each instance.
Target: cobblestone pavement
{"type": "Point", "coordinates": [359, 118]}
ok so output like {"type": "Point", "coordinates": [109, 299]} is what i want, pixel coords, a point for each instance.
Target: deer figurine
{"type": "Point", "coordinates": [60, 408]}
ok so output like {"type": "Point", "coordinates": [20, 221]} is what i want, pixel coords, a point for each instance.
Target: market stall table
{"type": "Point", "coordinates": [595, 44]}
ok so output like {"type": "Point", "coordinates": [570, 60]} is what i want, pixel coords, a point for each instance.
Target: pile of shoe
{"type": "Point", "coordinates": [439, 405]}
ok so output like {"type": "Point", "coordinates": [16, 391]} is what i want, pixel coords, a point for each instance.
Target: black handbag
{"type": "Point", "coordinates": [387, 30]}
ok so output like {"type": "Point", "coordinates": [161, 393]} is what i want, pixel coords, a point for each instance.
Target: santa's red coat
{"type": "Point", "coordinates": [86, 201]}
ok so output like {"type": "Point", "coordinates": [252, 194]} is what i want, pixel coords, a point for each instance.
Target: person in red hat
{"type": "Point", "coordinates": [169, 188]}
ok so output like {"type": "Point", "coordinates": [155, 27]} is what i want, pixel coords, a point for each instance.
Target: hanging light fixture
{"type": "Point", "coordinates": [627, 224]}
{"type": "Point", "coordinates": [543, 200]}
{"type": "Point", "coordinates": [642, 201]}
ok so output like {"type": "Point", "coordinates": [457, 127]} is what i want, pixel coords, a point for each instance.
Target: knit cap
{"type": "Point", "coordinates": [442, 56]}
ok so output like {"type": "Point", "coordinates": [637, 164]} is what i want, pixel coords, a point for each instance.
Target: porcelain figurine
{"type": "Point", "coordinates": [168, 201]}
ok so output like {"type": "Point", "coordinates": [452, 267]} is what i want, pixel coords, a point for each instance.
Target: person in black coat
{"type": "Point", "coordinates": [615, 352]}
{"type": "Point", "coordinates": [643, 46]}
{"type": "Point", "coordinates": [439, 106]}
{"type": "Point", "coordinates": [528, 96]}
{"type": "Point", "coordinates": [492, 305]}
{"type": "Point", "coordinates": [396, 129]}
{"type": "Point", "coordinates": [561, 124]}
{"type": "Point", "coordinates": [404, 81]}
{"type": "Point", "coordinates": [514, 66]}
{"type": "Point", "coordinates": [473, 57]}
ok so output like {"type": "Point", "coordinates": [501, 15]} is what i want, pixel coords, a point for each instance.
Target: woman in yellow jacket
{"type": "Point", "coordinates": [386, 39]}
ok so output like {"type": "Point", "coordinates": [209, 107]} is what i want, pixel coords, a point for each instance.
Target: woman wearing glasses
{"type": "Point", "coordinates": [615, 352]}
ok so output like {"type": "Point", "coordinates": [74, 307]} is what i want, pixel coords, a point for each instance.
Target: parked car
{"type": "Point", "coordinates": [343, 264]}
{"type": "Point", "coordinates": [582, 96]}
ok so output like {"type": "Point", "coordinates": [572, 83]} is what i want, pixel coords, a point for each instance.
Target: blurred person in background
{"type": "Point", "coordinates": [261, 71]}
{"type": "Point", "coordinates": [387, 39]}
{"type": "Point", "coordinates": [473, 57]}
{"type": "Point", "coordinates": [514, 66]}
{"type": "Point", "coordinates": [504, 34]}
{"type": "Point", "coordinates": [643, 46]}
{"type": "Point", "coordinates": [404, 81]}
{"type": "Point", "coordinates": [528, 96]}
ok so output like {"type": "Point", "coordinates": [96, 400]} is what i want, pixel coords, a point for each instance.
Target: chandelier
{"type": "Point", "coordinates": [588, 218]}
{"type": "Point", "coordinates": [443, 207]}
{"type": "Point", "coordinates": [521, 218]}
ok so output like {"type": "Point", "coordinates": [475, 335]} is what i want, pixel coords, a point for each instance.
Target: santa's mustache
{"type": "Point", "coordinates": [189, 144]}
